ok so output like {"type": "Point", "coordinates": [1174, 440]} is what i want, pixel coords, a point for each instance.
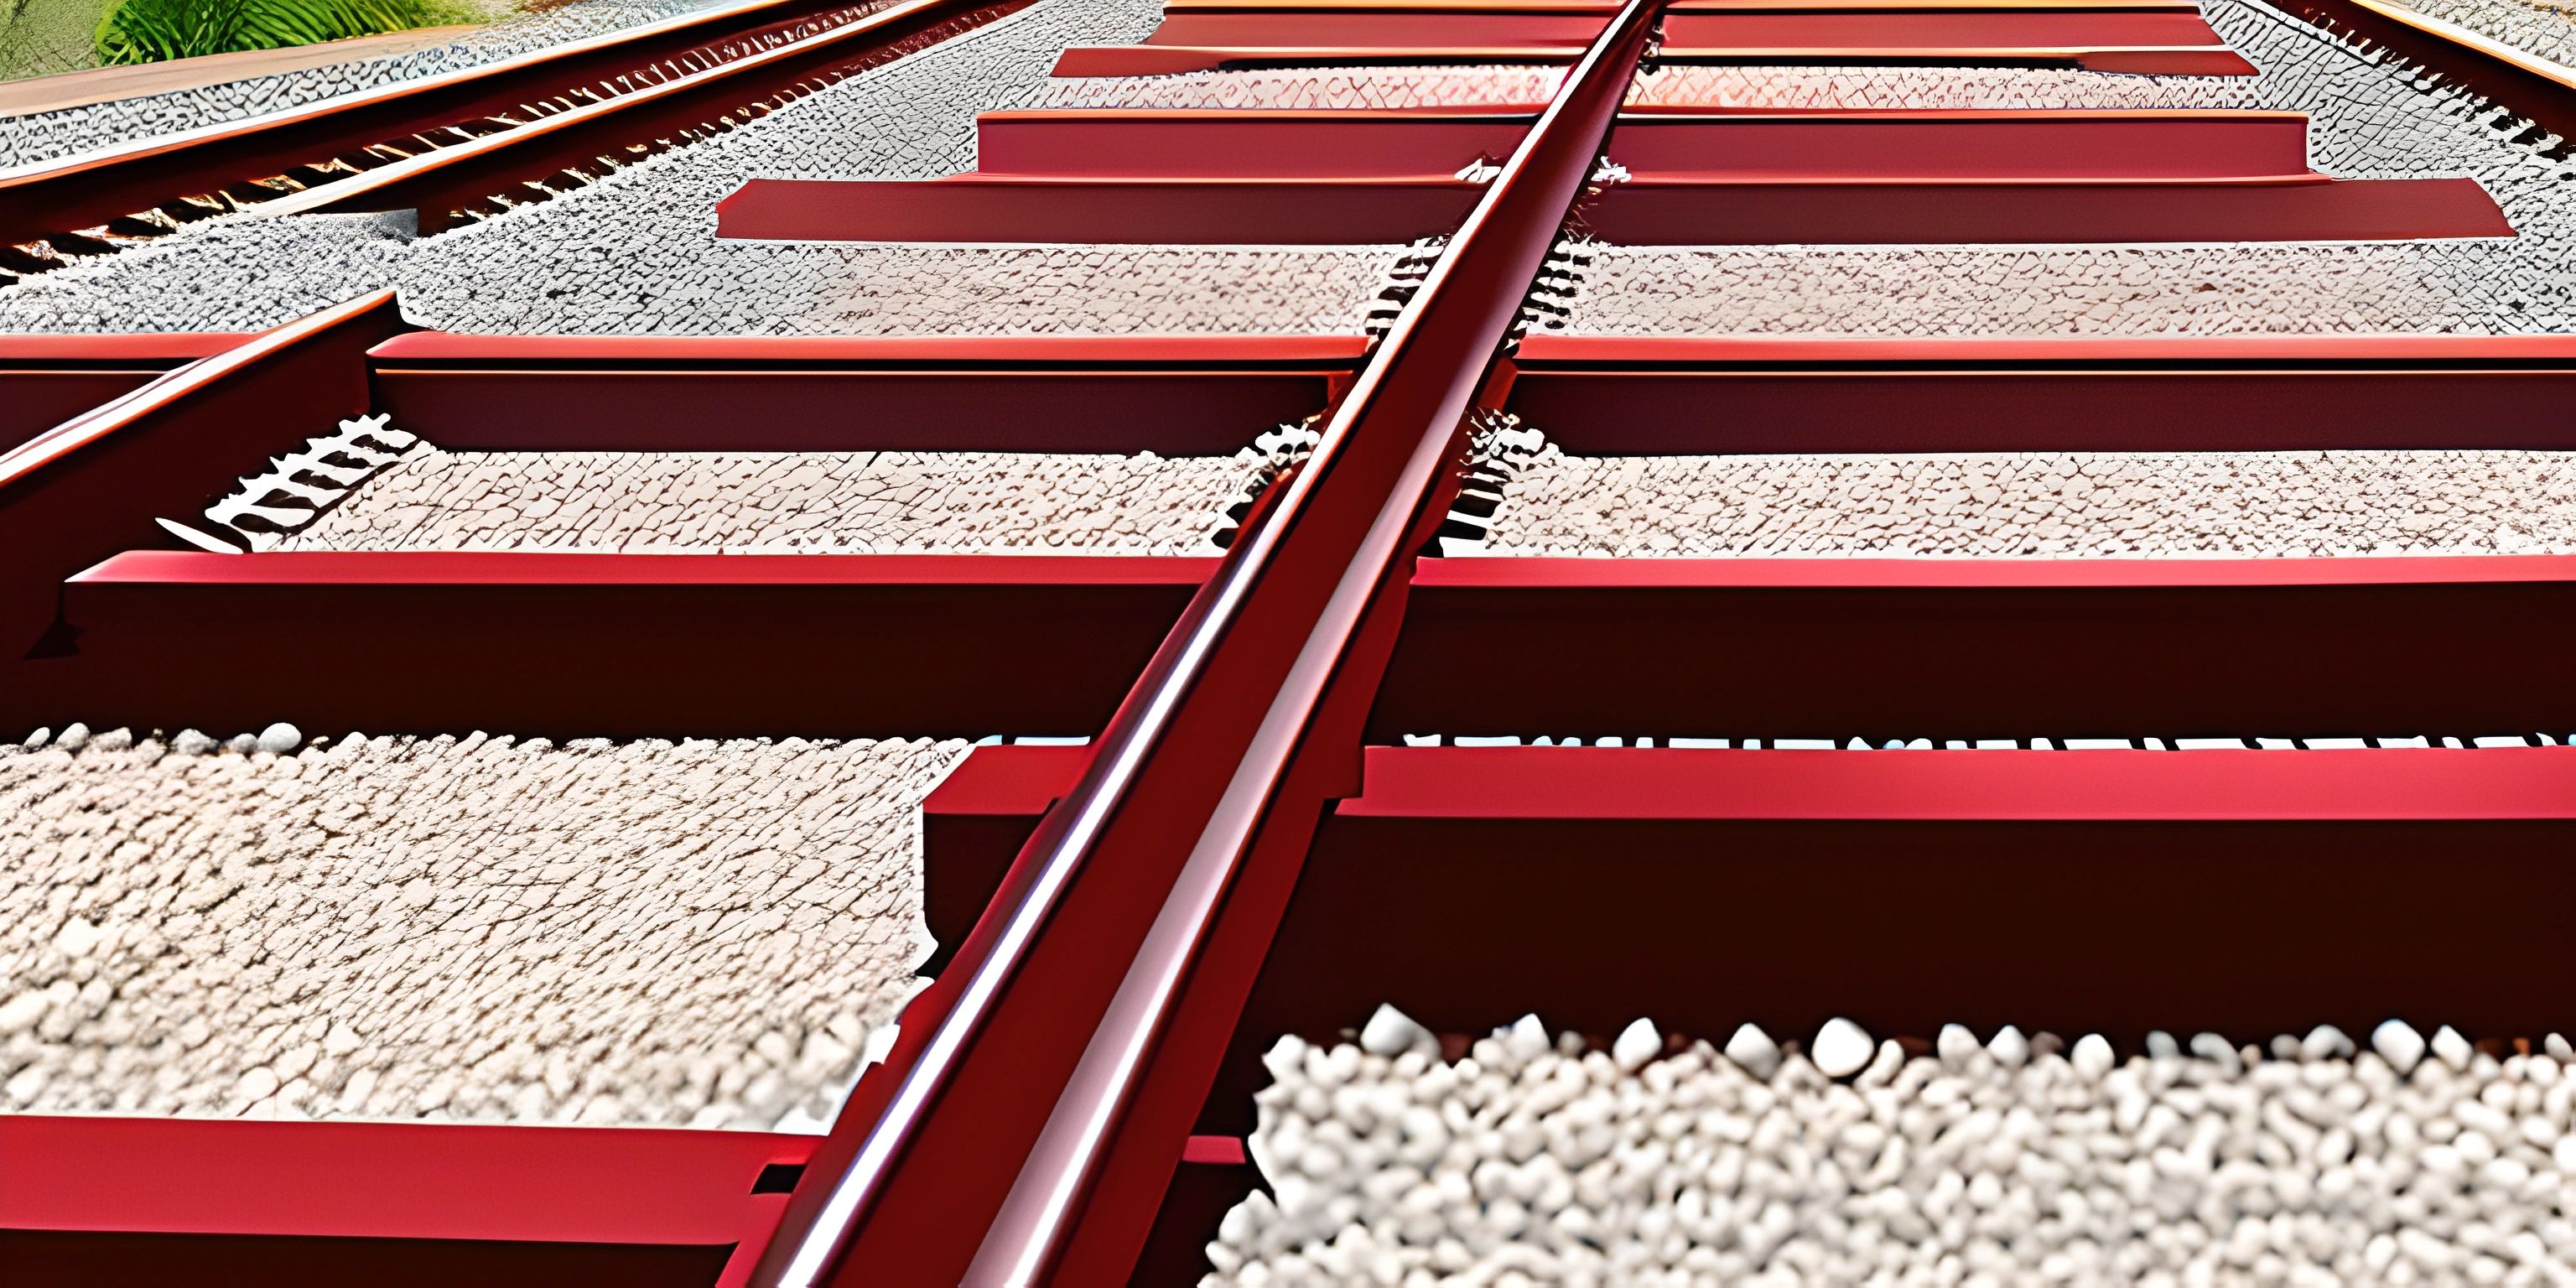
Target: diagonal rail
{"type": "Point", "coordinates": [950, 1170]}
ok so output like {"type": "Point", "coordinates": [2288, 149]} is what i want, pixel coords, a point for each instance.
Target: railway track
{"type": "Point", "coordinates": [467, 143]}
{"type": "Point", "coordinates": [1592, 616]}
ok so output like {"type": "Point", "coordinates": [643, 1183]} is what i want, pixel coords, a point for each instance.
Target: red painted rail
{"type": "Point", "coordinates": [1713, 27]}
{"type": "Point", "coordinates": [1046, 1164]}
{"type": "Point", "coordinates": [92, 486]}
{"type": "Point", "coordinates": [1986, 648]}
{"type": "Point", "coordinates": [444, 185]}
{"type": "Point", "coordinates": [1667, 143]}
{"type": "Point", "coordinates": [1654, 211]}
{"type": "Point", "coordinates": [1165, 60]}
{"type": "Point", "coordinates": [1173, 395]}
{"type": "Point", "coordinates": [1789, 886]}
{"type": "Point", "coordinates": [562, 644]}
{"type": "Point", "coordinates": [233, 1202]}
{"type": "Point", "coordinates": [980, 208]}
{"type": "Point", "coordinates": [1910, 889]}
{"type": "Point", "coordinates": [1320, 177]}
{"type": "Point", "coordinates": [53, 378]}
{"type": "Point", "coordinates": [1692, 395]}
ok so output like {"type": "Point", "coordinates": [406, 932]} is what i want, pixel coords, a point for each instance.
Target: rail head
{"type": "Point", "coordinates": [351, 194]}
{"type": "Point", "coordinates": [171, 388]}
{"type": "Point", "coordinates": [1402, 411]}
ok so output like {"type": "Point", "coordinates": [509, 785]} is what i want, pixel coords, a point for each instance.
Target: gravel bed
{"type": "Point", "coordinates": [2532, 26]}
{"type": "Point", "coordinates": [779, 288]}
{"type": "Point", "coordinates": [2368, 121]}
{"type": "Point", "coordinates": [1535, 1160]}
{"type": "Point", "coordinates": [235, 273]}
{"type": "Point", "coordinates": [636, 252]}
{"type": "Point", "coordinates": [2180, 504]}
{"type": "Point", "coordinates": [780, 502]}
{"type": "Point", "coordinates": [474, 929]}
{"type": "Point", "coordinates": [44, 136]}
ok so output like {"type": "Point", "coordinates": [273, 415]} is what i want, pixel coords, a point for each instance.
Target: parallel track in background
{"type": "Point", "coordinates": [470, 142]}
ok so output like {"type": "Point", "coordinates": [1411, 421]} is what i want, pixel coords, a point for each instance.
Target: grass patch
{"type": "Point", "coordinates": [149, 31]}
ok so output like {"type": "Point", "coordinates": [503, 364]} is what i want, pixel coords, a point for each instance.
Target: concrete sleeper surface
{"type": "Point", "coordinates": [816, 502]}
{"type": "Point", "coordinates": [2174, 504]}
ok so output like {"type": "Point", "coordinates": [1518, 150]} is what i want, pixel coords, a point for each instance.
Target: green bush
{"type": "Point", "coordinates": [150, 31]}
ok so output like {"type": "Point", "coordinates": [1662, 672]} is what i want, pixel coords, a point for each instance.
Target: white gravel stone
{"type": "Point", "coordinates": [1842, 1048]}
{"type": "Point", "coordinates": [2098, 503]}
{"type": "Point", "coordinates": [2450, 1048]}
{"type": "Point", "coordinates": [2008, 1047]}
{"type": "Point", "coordinates": [2399, 1044]}
{"type": "Point", "coordinates": [1391, 1032]}
{"type": "Point", "coordinates": [1754, 1049]}
{"type": "Point", "coordinates": [476, 929]}
{"type": "Point", "coordinates": [2093, 1056]}
{"type": "Point", "coordinates": [280, 738]}
{"type": "Point", "coordinates": [1638, 1043]}
{"type": "Point", "coordinates": [1527, 1164]}
{"type": "Point", "coordinates": [836, 502]}
{"type": "Point", "coordinates": [2218, 1051]}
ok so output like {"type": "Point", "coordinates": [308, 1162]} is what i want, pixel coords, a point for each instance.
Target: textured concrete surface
{"type": "Point", "coordinates": [2260, 504]}
{"type": "Point", "coordinates": [476, 929]}
{"type": "Point", "coordinates": [822, 502]}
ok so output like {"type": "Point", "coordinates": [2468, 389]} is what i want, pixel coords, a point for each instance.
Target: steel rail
{"type": "Point", "coordinates": [167, 391]}
{"type": "Point", "coordinates": [449, 173]}
{"type": "Point", "coordinates": [1382, 454]}
{"type": "Point", "coordinates": [2525, 83]}
{"type": "Point", "coordinates": [91, 486]}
